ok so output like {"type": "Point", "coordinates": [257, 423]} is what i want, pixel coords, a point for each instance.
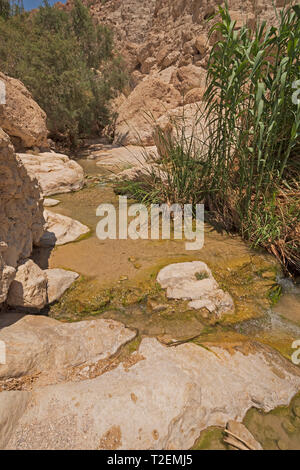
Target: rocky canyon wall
{"type": "Point", "coordinates": [165, 45]}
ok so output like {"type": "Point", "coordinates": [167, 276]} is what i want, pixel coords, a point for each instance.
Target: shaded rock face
{"type": "Point", "coordinates": [21, 213]}
{"type": "Point", "coordinates": [21, 117]}
{"type": "Point", "coordinates": [136, 407]}
{"type": "Point", "coordinates": [55, 172]}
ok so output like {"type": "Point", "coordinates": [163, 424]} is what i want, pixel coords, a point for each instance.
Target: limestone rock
{"type": "Point", "coordinates": [59, 280]}
{"type": "Point", "coordinates": [21, 117]}
{"type": "Point", "coordinates": [188, 77]}
{"type": "Point", "coordinates": [194, 281]}
{"type": "Point", "coordinates": [148, 65]}
{"type": "Point", "coordinates": [149, 100]}
{"type": "Point", "coordinates": [201, 43]}
{"type": "Point", "coordinates": [36, 344]}
{"type": "Point", "coordinates": [243, 436]}
{"type": "Point", "coordinates": [12, 406]}
{"type": "Point", "coordinates": [29, 288]}
{"type": "Point", "coordinates": [48, 202]}
{"type": "Point", "coordinates": [55, 172]}
{"type": "Point", "coordinates": [60, 229]}
{"type": "Point", "coordinates": [136, 407]}
{"type": "Point", "coordinates": [7, 274]}
{"type": "Point", "coordinates": [21, 213]}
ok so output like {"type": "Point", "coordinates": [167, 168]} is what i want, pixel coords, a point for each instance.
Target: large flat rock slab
{"type": "Point", "coordinates": [38, 344]}
{"type": "Point", "coordinates": [161, 399]}
{"type": "Point", "coordinates": [12, 406]}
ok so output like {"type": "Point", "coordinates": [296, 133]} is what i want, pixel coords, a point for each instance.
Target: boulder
{"type": "Point", "coordinates": [38, 344]}
{"type": "Point", "coordinates": [194, 281]}
{"type": "Point", "coordinates": [191, 117]}
{"type": "Point", "coordinates": [59, 280]}
{"type": "Point", "coordinates": [55, 172]}
{"type": "Point", "coordinates": [60, 230]}
{"type": "Point", "coordinates": [188, 77]}
{"type": "Point", "coordinates": [194, 96]}
{"type": "Point", "coordinates": [29, 287]}
{"type": "Point", "coordinates": [12, 406]}
{"type": "Point", "coordinates": [21, 117]}
{"type": "Point", "coordinates": [170, 59]}
{"type": "Point", "coordinates": [148, 101]}
{"type": "Point", "coordinates": [148, 64]}
{"type": "Point", "coordinates": [48, 202]}
{"type": "Point", "coordinates": [136, 406]}
{"type": "Point", "coordinates": [201, 44]}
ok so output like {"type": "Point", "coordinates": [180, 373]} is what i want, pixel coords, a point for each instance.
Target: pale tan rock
{"type": "Point", "coordinates": [188, 77]}
{"type": "Point", "coordinates": [60, 229]}
{"type": "Point", "coordinates": [194, 96]}
{"type": "Point", "coordinates": [29, 287]}
{"type": "Point", "coordinates": [21, 117]}
{"type": "Point", "coordinates": [7, 274]}
{"type": "Point", "coordinates": [12, 406]}
{"type": "Point", "coordinates": [59, 280]}
{"type": "Point", "coordinates": [243, 437]}
{"type": "Point", "coordinates": [201, 43]}
{"type": "Point", "coordinates": [48, 202]}
{"type": "Point", "coordinates": [172, 57]}
{"type": "Point", "coordinates": [192, 118]}
{"type": "Point", "coordinates": [194, 281]}
{"type": "Point", "coordinates": [242, 19]}
{"type": "Point", "coordinates": [37, 344]}
{"type": "Point", "coordinates": [148, 64]}
{"type": "Point", "coordinates": [148, 101]}
{"type": "Point", "coordinates": [138, 407]}
{"type": "Point", "coordinates": [21, 213]}
{"type": "Point", "coordinates": [56, 173]}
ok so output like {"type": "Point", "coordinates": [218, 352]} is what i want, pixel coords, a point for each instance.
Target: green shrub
{"type": "Point", "coordinates": [67, 63]}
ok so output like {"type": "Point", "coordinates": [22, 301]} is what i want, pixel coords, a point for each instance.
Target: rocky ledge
{"type": "Point", "coordinates": [132, 405]}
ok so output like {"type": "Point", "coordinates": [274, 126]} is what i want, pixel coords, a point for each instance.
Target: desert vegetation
{"type": "Point", "coordinates": [66, 62]}
{"type": "Point", "coordinates": [241, 157]}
